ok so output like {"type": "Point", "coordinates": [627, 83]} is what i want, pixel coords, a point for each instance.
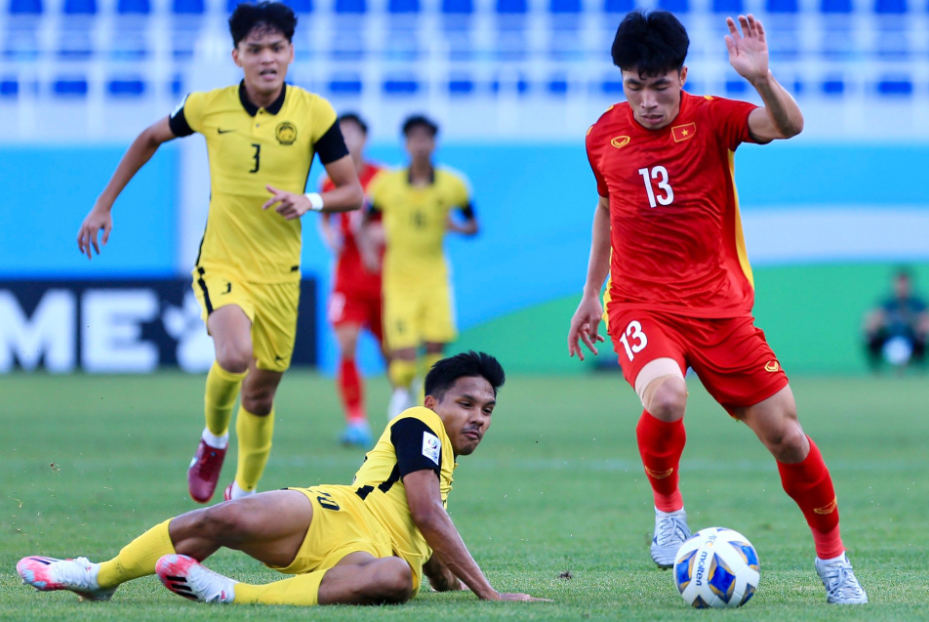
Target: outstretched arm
{"type": "Point", "coordinates": [586, 320]}
{"type": "Point", "coordinates": [425, 501]}
{"type": "Point", "coordinates": [748, 54]}
{"type": "Point", "coordinates": [140, 152]}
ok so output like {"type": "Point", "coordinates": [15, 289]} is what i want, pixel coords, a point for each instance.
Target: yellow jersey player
{"type": "Point", "coordinates": [367, 543]}
{"type": "Point", "coordinates": [261, 137]}
{"type": "Point", "coordinates": [416, 203]}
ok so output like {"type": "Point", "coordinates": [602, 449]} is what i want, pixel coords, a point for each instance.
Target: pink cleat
{"type": "Point", "coordinates": [186, 577]}
{"type": "Point", "coordinates": [48, 574]}
{"type": "Point", "coordinates": [204, 472]}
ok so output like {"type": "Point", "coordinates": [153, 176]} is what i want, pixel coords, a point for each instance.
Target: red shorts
{"type": "Point", "coordinates": [731, 357]}
{"type": "Point", "coordinates": [365, 310]}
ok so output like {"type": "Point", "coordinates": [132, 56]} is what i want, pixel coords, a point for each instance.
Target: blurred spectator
{"type": "Point", "coordinates": [896, 330]}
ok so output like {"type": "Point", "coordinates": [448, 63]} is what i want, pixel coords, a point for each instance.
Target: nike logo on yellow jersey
{"type": "Point", "coordinates": [222, 131]}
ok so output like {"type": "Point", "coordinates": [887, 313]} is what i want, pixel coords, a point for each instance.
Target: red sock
{"type": "Point", "coordinates": [810, 485]}
{"type": "Point", "coordinates": [350, 388]}
{"type": "Point", "coordinates": [661, 445]}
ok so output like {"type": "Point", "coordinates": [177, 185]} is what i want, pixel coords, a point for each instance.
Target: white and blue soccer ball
{"type": "Point", "coordinates": [716, 567]}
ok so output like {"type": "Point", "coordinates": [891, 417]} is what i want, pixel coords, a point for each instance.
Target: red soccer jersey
{"type": "Point", "coordinates": [676, 234]}
{"type": "Point", "coordinates": [351, 276]}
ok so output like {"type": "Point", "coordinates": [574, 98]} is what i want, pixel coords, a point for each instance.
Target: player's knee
{"type": "Point", "coordinates": [258, 401]}
{"type": "Point", "coordinates": [669, 400]}
{"type": "Point", "coordinates": [787, 442]}
{"type": "Point", "coordinates": [394, 581]}
{"type": "Point", "coordinates": [233, 357]}
{"type": "Point", "coordinates": [219, 523]}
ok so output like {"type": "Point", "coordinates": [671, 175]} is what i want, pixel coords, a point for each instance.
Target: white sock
{"type": "Point", "coordinates": [840, 558]}
{"type": "Point", "coordinates": [674, 513]}
{"type": "Point", "coordinates": [216, 442]}
{"type": "Point", "coordinates": [238, 493]}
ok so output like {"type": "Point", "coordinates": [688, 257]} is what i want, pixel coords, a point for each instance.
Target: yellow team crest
{"type": "Point", "coordinates": [620, 141]}
{"type": "Point", "coordinates": [286, 133]}
{"type": "Point", "coordinates": [772, 366]}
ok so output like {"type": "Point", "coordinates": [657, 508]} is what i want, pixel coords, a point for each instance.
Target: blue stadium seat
{"type": "Point", "coordinates": [693, 87]}
{"type": "Point", "coordinates": [80, 7]}
{"type": "Point", "coordinates": [612, 87]}
{"type": "Point", "coordinates": [403, 6]}
{"type": "Point", "coordinates": [187, 7]}
{"type": "Point", "coordinates": [458, 7]}
{"type": "Point", "coordinates": [561, 7]}
{"type": "Point", "coordinates": [354, 7]}
{"type": "Point", "coordinates": [729, 7]}
{"type": "Point", "coordinates": [133, 7]}
{"type": "Point", "coordinates": [522, 86]}
{"type": "Point", "coordinates": [618, 6]}
{"type": "Point", "coordinates": [736, 87]}
{"type": "Point", "coordinates": [895, 86]}
{"type": "Point", "coordinates": [300, 7]}
{"type": "Point", "coordinates": [232, 4]}
{"type": "Point", "coordinates": [782, 6]}
{"type": "Point", "coordinates": [890, 7]}
{"type": "Point", "coordinates": [557, 86]}
{"type": "Point", "coordinates": [125, 88]}
{"type": "Point", "coordinates": [9, 87]}
{"type": "Point", "coordinates": [345, 86]}
{"type": "Point", "coordinates": [833, 86]}
{"type": "Point", "coordinates": [675, 6]}
{"type": "Point", "coordinates": [461, 86]}
{"type": "Point", "coordinates": [511, 7]}
{"type": "Point", "coordinates": [400, 86]}
{"type": "Point", "coordinates": [25, 7]}
{"type": "Point", "coordinates": [177, 86]}
{"type": "Point", "coordinates": [70, 87]}
{"type": "Point", "coordinates": [835, 6]}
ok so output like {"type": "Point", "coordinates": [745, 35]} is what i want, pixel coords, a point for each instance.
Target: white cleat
{"type": "Point", "coordinates": [399, 401]}
{"type": "Point", "coordinates": [48, 574]}
{"type": "Point", "coordinates": [671, 531]}
{"type": "Point", "coordinates": [842, 587]}
{"type": "Point", "coordinates": [186, 577]}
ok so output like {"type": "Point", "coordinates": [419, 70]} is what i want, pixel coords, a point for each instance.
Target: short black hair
{"type": "Point", "coordinates": [355, 118]}
{"type": "Point", "coordinates": [446, 372]}
{"type": "Point", "coordinates": [419, 120]}
{"type": "Point", "coordinates": [650, 43]}
{"type": "Point", "coordinates": [265, 15]}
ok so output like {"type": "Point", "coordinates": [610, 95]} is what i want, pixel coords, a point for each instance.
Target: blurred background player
{"type": "Point", "coordinates": [667, 231]}
{"type": "Point", "coordinates": [416, 204]}
{"type": "Point", "coordinates": [356, 294]}
{"type": "Point", "coordinates": [261, 137]}
{"type": "Point", "coordinates": [896, 330]}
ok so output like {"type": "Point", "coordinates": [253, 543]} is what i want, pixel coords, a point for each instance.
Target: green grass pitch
{"type": "Point", "coordinates": [88, 463]}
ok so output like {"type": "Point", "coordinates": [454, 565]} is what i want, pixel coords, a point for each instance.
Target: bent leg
{"type": "Point", "coordinates": [358, 579]}
{"type": "Point", "coordinates": [803, 471]}
{"type": "Point", "coordinates": [231, 331]}
{"type": "Point", "coordinates": [269, 527]}
{"type": "Point", "coordinates": [349, 379]}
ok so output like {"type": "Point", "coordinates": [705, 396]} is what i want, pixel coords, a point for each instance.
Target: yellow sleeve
{"type": "Point", "coordinates": [323, 117]}
{"type": "Point", "coordinates": [194, 107]}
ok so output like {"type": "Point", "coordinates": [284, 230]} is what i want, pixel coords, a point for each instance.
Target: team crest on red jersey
{"type": "Point", "coordinates": [620, 141]}
{"type": "Point", "coordinates": [680, 133]}
{"type": "Point", "coordinates": [772, 366]}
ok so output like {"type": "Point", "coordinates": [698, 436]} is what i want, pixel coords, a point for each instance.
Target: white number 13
{"type": "Point", "coordinates": [634, 332]}
{"type": "Point", "coordinates": [655, 173]}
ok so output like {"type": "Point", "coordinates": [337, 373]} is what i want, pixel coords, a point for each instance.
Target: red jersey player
{"type": "Point", "coordinates": [356, 295]}
{"type": "Point", "coordinates": [681, 292]}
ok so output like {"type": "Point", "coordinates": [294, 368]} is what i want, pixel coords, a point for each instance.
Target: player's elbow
{"type": "Point", "coordinates": [357, 196]}
{"type": "Point", "coordinates": [427, 517]}
{"type": "Point", "coordinates": [794, 127]}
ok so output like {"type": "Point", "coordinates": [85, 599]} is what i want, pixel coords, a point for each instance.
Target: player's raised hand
{"type": "Point", "coordinates": [748, 52]}
{"type": "Point", "coordinates": [584, 327]}
{"type": "Point", "coordinates": [289, 204]}
{"type": "Point", "coordinates": [98, 218]}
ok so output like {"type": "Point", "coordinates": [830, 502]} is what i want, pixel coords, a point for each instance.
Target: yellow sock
{"type": "Point", "coordinates": [302, 589]}
{"type": "Point", "coordinates": [138, 558]}
{"type": "Point", "coordinates": [254, 434]}
{"type": "Point", "coordinates": [222, 387]}
{"type": "Point", "coordinates": [428, 361]}
{"type": "Point", "coordinates": [402, 373]}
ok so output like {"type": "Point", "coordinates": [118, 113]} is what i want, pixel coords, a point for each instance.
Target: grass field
{"type": "Point", "coordinates": [87, 463]}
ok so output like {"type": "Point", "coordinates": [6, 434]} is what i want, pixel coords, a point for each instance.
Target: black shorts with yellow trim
{"type": "Point", "coordinates": [341, 525]}
{"type": "Point", "coordinates": [271, 308]}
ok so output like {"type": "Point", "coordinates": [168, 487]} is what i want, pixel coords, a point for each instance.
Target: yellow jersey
{"type": "Point", "coordinates": [250, 148]}
{"type": "Point", "coordinates": [414, 441]}
{"type": "Point", "coordinates": [415, 222]}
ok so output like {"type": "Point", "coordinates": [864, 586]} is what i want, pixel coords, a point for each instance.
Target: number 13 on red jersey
{"type": "Point", "coordinates": [659, 174]}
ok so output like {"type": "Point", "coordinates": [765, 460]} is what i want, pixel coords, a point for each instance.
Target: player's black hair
{"type": "Point", "coordinates": [651, 43]}
{"type": "Point", "coordinates": [353, 117]}
{"type": "Point", "coordinates": [270, 15]}
{"type": "Point", "coordinates": [418, 120]}
{"type": "Point", "coordinates": [446, 372]}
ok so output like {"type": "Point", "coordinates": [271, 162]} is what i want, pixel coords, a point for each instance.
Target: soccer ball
{"type": "Point", "coordinates": [716, 567]}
